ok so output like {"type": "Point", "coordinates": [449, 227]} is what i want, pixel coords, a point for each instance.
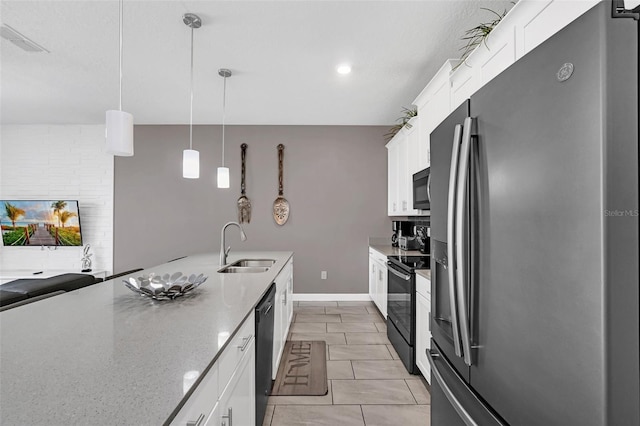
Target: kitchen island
{"type": "Point", "coordinates": [103, 355]}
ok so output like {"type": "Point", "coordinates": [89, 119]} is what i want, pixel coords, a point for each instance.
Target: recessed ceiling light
{"type": "Point", "coordinates": [343, 69]}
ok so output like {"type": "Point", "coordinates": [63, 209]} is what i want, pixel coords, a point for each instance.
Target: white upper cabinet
{"type": "Point", "coordinates": [434, 105]}
{"type": "Point", "coordinates": [403, 162]}
{"type": "Point", "coordinates": [393, 171]}
{"type": "Point", "coordinates": [536, 21]}
{"type": "Point", "coordinates": [528, 23]}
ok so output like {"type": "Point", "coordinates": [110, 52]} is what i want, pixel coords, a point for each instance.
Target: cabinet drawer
{"type": "Point", "coordinates": [233, 353]}
{"type": "Point", "coordinates": [203, 400]}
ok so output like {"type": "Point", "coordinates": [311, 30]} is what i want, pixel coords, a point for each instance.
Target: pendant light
{"type": "Point", "coordinates": [119, 124]}
{"type": "Point", "coordinates": [191, 157]}
{"type": "Point", "coordinates": [223, 172]}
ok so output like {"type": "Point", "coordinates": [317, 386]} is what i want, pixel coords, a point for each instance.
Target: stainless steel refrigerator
{"type": "Point", "coordinates": [535, 230]}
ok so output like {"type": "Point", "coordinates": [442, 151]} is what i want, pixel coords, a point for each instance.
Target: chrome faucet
{"type": "Point", "coordinates": [223, 252]}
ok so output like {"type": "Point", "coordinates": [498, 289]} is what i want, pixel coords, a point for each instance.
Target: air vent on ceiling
{"type": "Point", "coordinates": [19, 40]}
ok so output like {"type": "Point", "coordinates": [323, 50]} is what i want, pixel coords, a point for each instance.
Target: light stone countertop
{"type": "Point", "coordinates": [103, 355]}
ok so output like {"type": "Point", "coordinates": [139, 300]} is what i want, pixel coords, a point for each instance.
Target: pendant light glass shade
{"type": "Point", "coordinates": [223, 177]}
{"type": "Point", "coordinates": [119, 124]}
{"type": "Point", "coordinates": [119, 133]}
{"type": "Point", "coordinates": [190, 164]}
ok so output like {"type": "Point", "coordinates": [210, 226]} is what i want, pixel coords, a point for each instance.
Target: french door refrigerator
{"type": "Point", "coordinates": [534, 230]}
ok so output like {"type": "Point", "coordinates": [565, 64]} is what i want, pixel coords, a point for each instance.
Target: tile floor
{"type": "Point", "coordinates": [368, 385]}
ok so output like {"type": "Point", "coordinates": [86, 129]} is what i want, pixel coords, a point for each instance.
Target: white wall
{"type": "Point", "coordinates": [45, 162]}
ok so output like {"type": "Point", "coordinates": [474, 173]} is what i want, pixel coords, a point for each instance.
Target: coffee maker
{"type": "Point", "coordinates": [405, 232]}
{"type": "Point", "coordinates": [395, 227]}
{"type": "Point", "coordinates": [424, 238]}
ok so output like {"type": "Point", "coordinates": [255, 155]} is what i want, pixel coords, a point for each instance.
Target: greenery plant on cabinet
{"type": "Point", "coordinates": [478, 35]}
{"type": "Point", "coordinates": [403, 121]}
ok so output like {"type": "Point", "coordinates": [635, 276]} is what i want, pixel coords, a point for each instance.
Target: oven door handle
{"type": "Point", "coordinates": [397, 273]}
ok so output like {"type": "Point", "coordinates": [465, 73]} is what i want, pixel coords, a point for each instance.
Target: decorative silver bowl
{"type": "Point", "coordinates": [164, 287]}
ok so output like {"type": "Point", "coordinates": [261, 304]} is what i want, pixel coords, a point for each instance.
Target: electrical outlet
{"type": "Point", "coordinates": [323, 275]}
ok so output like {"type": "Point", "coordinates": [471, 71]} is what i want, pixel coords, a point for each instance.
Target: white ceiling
{"type": "Point", "coordinates": [282, 53]}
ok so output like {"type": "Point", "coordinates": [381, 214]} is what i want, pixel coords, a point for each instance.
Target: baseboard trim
{"type": "Point", "coordinates": [327, 297]}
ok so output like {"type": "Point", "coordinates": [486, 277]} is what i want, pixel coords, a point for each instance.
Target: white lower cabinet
{"type": "Point", "coordinates": [229, 384]}
{"type": "Point", "coordinates": [283, 313]}
{"type": "Point", "coordinates": [423, 331]}
{"type": "Point", "coordinates": [378, 280]}
{"type": "Point", "coordinates": [238, 400]}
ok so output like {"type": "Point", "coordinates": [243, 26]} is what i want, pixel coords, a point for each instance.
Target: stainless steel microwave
{"type": "Point", "coordinates": [422, 190]}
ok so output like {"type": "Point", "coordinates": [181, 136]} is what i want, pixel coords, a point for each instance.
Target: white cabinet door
{"type": "Point", "coordinates": [237, 404]}
{"type": "Point", "coordinates": [372, 279]}
{"type": "Point", "coordinates": [423, 335]}
{"type": "Point", "coordinates": [379, 279]}
{"type": "Point", "coordinates": [393, 156]}
{"type": "Point", "coordinates": [289, 299]}
{"type": "Point", "coordinates": [403, 173]}
{"type": "Point", "coordinates": [382, 288]}
{"type": "Point", "coordinates": [283, 313]}
{"type": "Point", "coordinates": [412, 164]}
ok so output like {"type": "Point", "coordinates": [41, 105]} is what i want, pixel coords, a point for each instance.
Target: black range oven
{"type": "Point", "coordinates": [401, 305]}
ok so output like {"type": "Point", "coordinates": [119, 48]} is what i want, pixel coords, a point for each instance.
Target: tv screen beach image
{"type": "Point", "coordinates": [40, 223]}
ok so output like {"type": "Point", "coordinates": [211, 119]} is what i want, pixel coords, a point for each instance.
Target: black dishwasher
{"type": "Point", "coordinates": [264, 351]}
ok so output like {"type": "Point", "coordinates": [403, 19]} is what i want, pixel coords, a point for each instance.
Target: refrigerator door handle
{"type": "Point", "coordinates": [451, 256]}
{"type": "Point", "coordinates": [429, 188]}
{"type": "Point", "coordinates": [457, 405]}
{"type": "Point", "coordinates": [461, 256]}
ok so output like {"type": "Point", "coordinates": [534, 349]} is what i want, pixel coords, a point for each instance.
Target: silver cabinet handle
{"type": "Point", "coordinates": [398, 274]}
{"type": "Point", "coordinates": [198, 421]}
{"type": "Point", "coordinates": [229, 416]}
{"type": "Point", "coordinates": [464, 414]}
{"type": "Point", "coordinates": [461, 257]}
{"type": "Point", "coordinates": [269, 309]}
{"type": "Point", "coordinates": [429, 188]}
{"type": "Point", "coordinates": [246, 341]}
{"type": "Point", "coordinates": [451, 235]}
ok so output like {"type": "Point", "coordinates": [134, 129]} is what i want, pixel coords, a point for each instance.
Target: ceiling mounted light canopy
{"type": "Point", "coordinates": [223, 172]}
{"type": "Point", "coordinates": [191, 157]}
{"type": "Point", "coordinates": [119, 124]}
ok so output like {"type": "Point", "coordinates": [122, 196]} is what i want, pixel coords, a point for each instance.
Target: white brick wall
{"type": "Point", "coordinates": [46, 162]}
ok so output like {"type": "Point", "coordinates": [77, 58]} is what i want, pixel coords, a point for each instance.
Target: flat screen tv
{"type": "Point", "coordinates": [40, 223]}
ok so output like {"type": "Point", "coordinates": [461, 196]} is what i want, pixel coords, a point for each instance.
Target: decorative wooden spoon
{"type": "Point", "coordinates": [280, 205]}
{"type": "Point", "coordinates": [244, 204]}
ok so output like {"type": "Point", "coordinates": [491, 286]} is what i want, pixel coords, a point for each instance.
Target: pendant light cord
{"type": "Point", "coordinates": [191, 113]}
{"type": "Point", "coordinates": [224, 107]}
{"type": "Point", "coordinates": [120, 57]}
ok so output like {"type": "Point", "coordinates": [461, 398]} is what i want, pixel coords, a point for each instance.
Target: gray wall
{"type": "Point", "coordinates": [335, 179]}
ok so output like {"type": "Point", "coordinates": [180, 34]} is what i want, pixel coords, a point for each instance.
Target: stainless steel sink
{"type": "Point", "coordinates": [243, 269]}
{"type": "Point", "coordinates": [254, 262]}
{"type": "Point", "coordinates": [248, 266]}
